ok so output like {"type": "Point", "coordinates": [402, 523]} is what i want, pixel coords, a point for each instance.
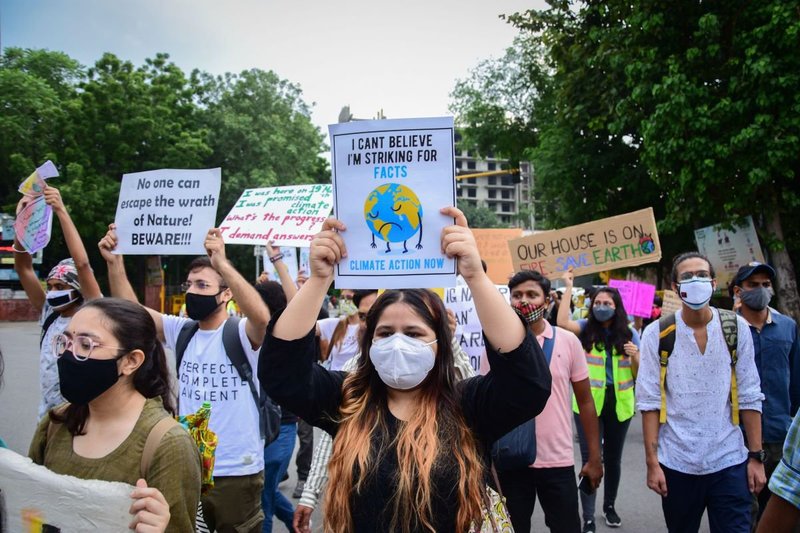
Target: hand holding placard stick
{"type": "Point", "coordinates": [615, 242]}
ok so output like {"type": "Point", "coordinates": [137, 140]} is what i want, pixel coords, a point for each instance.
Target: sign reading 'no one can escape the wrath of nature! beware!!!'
{"type": "Point", "coordinates": [615, 242]}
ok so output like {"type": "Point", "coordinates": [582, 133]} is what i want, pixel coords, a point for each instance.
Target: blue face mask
{"type": "Point", "coordinates": [603, 312]}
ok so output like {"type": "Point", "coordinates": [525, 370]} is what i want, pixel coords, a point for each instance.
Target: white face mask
{"type": "Point", "coordinates": [61, 299]}
{"type": "Point", "coordinates": [696, 292]}
{"type": "Point", "coordinates": [402, 362]}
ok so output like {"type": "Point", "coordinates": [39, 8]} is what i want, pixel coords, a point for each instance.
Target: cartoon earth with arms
{"type": "Point", "coordinates": [393, 214]}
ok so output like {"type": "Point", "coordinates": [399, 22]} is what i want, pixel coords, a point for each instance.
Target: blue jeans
{"type": "Point", "coordinates": [276, 460]}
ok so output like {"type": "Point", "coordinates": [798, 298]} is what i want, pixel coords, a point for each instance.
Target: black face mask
{"type": "Point", "coordinates": [200, 306]}
{"type": "Point", "coordinates": [83, 381]}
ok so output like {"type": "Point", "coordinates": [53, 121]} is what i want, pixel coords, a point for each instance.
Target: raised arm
{"type": "Point", "coordinates": [118, 279]}
{"type": "Point", "coordinates": [501, 325]}
{"type": "Point", "coordinates": [23, 265]}
{"type": "Point", "coordinates": [564, 316]}
{"type": "Point", "coordinates": [289, 287]}
{"type": "Point", "coordinates": [246, 296]}
{"type": "Point", "coordinates": [89, 287]}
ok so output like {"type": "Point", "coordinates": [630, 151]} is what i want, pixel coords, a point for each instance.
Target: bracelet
{"type": "Point", "coordinates": [276, 257]}
{"type": "Point", "coordinates": [18, 251]}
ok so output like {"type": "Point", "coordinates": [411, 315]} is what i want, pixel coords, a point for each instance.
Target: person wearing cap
{"type": "Point", "coordinates": [777, 354]}
{"type": "Point", "coordinates": [69, 284]}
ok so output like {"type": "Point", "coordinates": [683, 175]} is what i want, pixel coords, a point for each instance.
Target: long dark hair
{"type": "Point", "coordinates": [133, 329]}
{"type": "Point", "coordinates": [619, 332]}
{"type": "Point", "coordinates": [435, 431]}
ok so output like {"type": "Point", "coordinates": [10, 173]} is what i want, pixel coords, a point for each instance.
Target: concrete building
{"type": "Point", "coordinates": [504, 194]}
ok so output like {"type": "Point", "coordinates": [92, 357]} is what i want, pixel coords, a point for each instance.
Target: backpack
{"type": "Point", "coordinates": [269, 413]}
{"type": "Point", "coordinates": [517, 448]}
{"type": "Point", "coordinates": [666, 343]}
{"type": "Point", "coordinates": [48, 321]}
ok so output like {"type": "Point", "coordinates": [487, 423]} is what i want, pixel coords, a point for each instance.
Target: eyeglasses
{"type": "Point", "coordinates": [81, 346]}
{"type": "Point", "coordinates": [686, 276]}
{"type": "Point", "coordinates": [200, 285]}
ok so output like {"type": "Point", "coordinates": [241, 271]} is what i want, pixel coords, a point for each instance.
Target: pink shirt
{"type": "Point", "coordinates": [554, 424]}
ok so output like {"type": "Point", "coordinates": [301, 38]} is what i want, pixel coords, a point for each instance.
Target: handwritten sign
{"type": "Point", "coordinates": [288, 216]}
{"type": "Point", "coordinates": [493, 247]}
{"type": "Point", "coordinates": [637, 297]}
{"type": "Point", "coordinates": [469, 332]}
{"type": "Point", "coordinates": [34, 184]}
{"type": "Point", "coordinates": [729, 249]}
{"type": "Point", "coordinates": [34, 498]}
{"type": "Point", "coordinates": [670, 303]}
{"type": "Point", "coordinates": [34, 225]}
{"type": "Point", "coordinates": [390, 179]}
{"type": "Point", "coordinates": [615, 242]}
{"type": "Point", "coordinates": [167, 212]}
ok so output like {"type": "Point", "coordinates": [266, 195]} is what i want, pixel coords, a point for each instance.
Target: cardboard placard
{"type": "Point", "coordinates": [670, 302]}
{"type": "Point", "coordinates": [390, 179]}
{"type": "Point", "coordinates": [493, 247]}
{"type": "Point", "coordinates": [637, 297]}
{"type": "Point", "coordinates": [620, 241]}
{"type": "Point", "coordinates": [727, 250]}
{"type": "Point", "coordinates": [167, 212]}
{"type": "Point", "coordinates": [287, 215]}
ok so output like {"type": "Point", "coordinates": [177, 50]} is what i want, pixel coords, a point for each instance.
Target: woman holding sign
{"type": "Point", "coordinates": [612, 352]}
{"type": "Point", "coordinates": [411, 444]}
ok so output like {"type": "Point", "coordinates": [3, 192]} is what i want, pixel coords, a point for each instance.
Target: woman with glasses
{"type": "Point", "coordinates": [114, 376]}
{"type": "Point", "coordinates": [612, 352]}
{"type": "Point", "coordinates": [410, 446]}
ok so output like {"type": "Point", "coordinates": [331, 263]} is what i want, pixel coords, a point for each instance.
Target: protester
{"type": "Point", "coordinates": [208, 372]}
{"type": "Point", "coordinates": [777, 356]}
{"type": "Point", "coordinates": [611, 349]}
{"type": "Point", "coordinates": [551, 477]}
{"type": "Point", "coordinates": [70, 283]}
{"type": "Point", "coordinates": [411, 447]}
{"type": "Point", "coordinates": [318, 474]}
{"type": "Point", "coordinates": [113, 372]}
{"type": "Point", "coordinates": [339, 336]}
{"type": "Point", "coordinates": [692, 396]}
{"type": "Point", "coordinates": [782, 514]}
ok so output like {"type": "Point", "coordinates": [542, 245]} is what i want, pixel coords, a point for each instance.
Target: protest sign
{"type": "Point", "coordinates": [390, 179]}
{"type": "Point", "coordinates": [289, 259]}
{"type": "Point", "coordinates": [305, 257]}
{"type": "Point", "coordinates": [166, 211]}
{"type": "Point", "coordinates": [493, 247]}
{"type": "Point", "coordinates": [670, 302]}
{"type": "Point", "coordinates": [34, 184]}
{"type": "Point", "coordinates": [637, 297]}
{"type": "Point", "coordinates": [469, 332]}
{"type": "Point", "coordinates": [34, 225]}
{"type": "Point", "coordinates": [287, 216]}
{"type": "Point", "coordinates": [729, 249]}
{"type": "Point", "coordinates": [36, 499]}
{"type": "Point", "coordinates": [615, 242]}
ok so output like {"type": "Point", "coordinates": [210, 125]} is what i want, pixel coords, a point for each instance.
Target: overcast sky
{"type": "Point", "coordinates": [402, 56]}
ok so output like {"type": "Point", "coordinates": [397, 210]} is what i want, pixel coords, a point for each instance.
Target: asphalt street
{"type": "Point", "coordinates": [639, 507]}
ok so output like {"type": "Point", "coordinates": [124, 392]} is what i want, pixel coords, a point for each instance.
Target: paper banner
{"type": "Point", "coordinates": [289, 259]}
{"type": "Point", "coordinates": [637, 297]}
{"type": "Point", "coordinates": [670, 302]}
{"type": "Point", "coordinates": [727, 250]}
{"type": "Point", "coordinates": [167, 212]}
{"type": "Point", "coordinates": [493, 247]}
{"type": "Point", "coordinates": [288, 216]}
{"type": "Point", "coordinates": [390, 179]}
{"type": "Point", "coordinates": [469, 332]}
{"type": "Point", "coordinates": [36, 499]}
{"type": "Point", "coordinates": [34, 225]}
{"type": "Point", "coordinates": [34, 184]}
{"type": "Point", "coordinates": [615, 242]}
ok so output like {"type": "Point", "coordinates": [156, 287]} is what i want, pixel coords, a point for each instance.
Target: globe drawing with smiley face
{"type": "Point", "coordinates": [393, 214]}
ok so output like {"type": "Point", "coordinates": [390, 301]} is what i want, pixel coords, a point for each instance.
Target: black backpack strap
{"type": "Point", "coordinates": [235, 352]}
{"type": "Point", "coordinates": [48, 321]}
{"type": "Point", "coordinates": [730, 330]}
{"type": "Point", "coordinates": [666, 343]}
{"type": "Point", "coordinates": [186, 333]}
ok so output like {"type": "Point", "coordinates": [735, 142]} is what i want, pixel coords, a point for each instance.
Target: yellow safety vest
{"type": "Point", "coordinates": [623, 382]}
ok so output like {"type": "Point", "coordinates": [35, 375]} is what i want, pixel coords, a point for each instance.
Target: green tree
{"type": "Point", "coordinates": [480, 217]}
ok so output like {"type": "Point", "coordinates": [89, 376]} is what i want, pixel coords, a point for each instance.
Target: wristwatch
{"type": "Point", "coordinates": [760, 456]}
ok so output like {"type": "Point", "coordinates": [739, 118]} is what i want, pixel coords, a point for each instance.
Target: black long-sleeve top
{"type": "Point", "coordinates": [515, 390]}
